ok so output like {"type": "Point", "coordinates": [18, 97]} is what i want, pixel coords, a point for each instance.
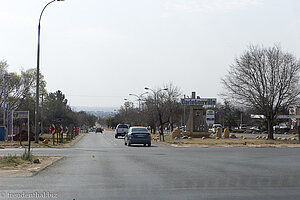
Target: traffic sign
{"type": "Point", "coordinates": [61, 129]}
{"type": "Point", "coordinates": [20, 114]}
{"type": "Point", "coordinates": [53, 129]}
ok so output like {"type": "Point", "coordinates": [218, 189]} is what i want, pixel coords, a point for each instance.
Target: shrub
{"type": "Point", "coordinates": [27, 155]}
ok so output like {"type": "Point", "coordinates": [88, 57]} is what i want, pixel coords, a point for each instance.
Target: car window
{"type": "Point", "coordinates": [122, 126]}
{"type": "Point", "coordinates": [139, 130]}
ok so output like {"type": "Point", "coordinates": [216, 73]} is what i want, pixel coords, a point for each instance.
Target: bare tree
{"type": "Point", "coordinates": [266, 79]}
{"type": "Point", "coordinates": [163, 106]}
{"type": "Point", "coordinates": [172, 104]}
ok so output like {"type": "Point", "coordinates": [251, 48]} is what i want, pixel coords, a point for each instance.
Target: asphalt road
{"type": "Point", "coordinates": [159, 172]}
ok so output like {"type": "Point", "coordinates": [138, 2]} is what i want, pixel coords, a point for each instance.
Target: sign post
{"type": "Point", "coordinates": [21, 115]}
{"type": "Point", "coordinates": [61, 133]}
{"type": "Point", "coordinates": [67, 132]}
{"type": "Point", "coordinates": [53, 132]}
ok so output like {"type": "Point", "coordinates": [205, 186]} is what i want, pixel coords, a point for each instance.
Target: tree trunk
{"type": "Point", "coordinates": [162, 128]}
{"type": "Point", "coordinates": [270, 128]}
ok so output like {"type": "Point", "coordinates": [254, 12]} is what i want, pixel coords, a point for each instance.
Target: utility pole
{"type": "Point", "coordinates": [42, 112]}
{"type": "Point", "coordinates": [4, 98]}
{"type": "Point", "coordinates": [4, 105]}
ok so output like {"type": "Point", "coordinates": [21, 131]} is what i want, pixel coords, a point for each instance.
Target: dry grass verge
{"type": "Point", "coordinates": [15, 166]}
{"type": "Point", "coordinates": [236, 141]}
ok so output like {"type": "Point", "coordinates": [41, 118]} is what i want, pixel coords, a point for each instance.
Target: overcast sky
{"type": "Point", "coordinates": [99, 51]}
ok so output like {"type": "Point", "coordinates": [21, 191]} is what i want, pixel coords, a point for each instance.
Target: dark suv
{"type": "Point", "coordinates": [99, 130]}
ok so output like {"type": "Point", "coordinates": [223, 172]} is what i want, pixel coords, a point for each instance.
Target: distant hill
{"type": "Point", "coordinates": [101, 112]}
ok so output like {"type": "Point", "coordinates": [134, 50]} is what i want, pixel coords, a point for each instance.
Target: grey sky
{"type": "Point", "coordinates": [97, 52]}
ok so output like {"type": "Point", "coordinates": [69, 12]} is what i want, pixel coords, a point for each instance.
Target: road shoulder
{"type": "Point", "coordinates": [31, 169]}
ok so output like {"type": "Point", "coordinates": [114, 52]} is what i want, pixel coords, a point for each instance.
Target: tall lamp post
{"type": "Point", "coordinates": [155, 93]}
{"type": "Point", "coordinates": [38, 76]}
{"type": "Point", "coordinates": [139, 98]}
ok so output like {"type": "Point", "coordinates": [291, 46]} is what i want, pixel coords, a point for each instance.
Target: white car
{"type": "Point", "coordinates": [121, 130]}
{"type": "Point", "coordinates": [215, 126]}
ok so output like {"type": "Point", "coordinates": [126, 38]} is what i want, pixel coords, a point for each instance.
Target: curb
{"type": "Point", "coordinates": [45, 167]}
{"type": "Point", "coordinates": [232, 146]}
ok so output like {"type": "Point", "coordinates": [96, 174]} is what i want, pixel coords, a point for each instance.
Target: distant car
{"type": "Point", "coordinates": [243, 126]}
{"type": "Point", "coordinates": [215, 126]}
{"type": "Point", "coordinates": [92, 130]}
{"type": "Point", "coordinates": [137, 135]}
{"type": "Point", "coordinates": [182, 128]}
{"type": "Point", "coordinates": [281, 127]}
{"type": "Point", "coordinates": [255, 128]}
{"type": "Point", "coordinates": [121, 130]}
{"type": "Point", "coordinates": [99, 130]}
{"type": "Point", "coordinates": [276, 127]}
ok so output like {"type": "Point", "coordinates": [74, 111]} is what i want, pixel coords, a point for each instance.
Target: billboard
{"type": "Point", "coordinates": [201, 101]}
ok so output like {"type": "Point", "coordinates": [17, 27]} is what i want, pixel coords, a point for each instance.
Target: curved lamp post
{"type": "Point", "coordinates": [139, 98]}
{"type": "Point", "coordinates": [157, 108]}
{"type": "Point", "coordinates": [38, 76]}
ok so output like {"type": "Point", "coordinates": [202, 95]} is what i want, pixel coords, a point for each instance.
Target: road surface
{"type": "Point", "coordinates": [100, 167]}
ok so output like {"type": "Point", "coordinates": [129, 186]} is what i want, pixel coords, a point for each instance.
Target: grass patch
{"type": "Point", "coordinates": [27, 155]}
{"type": "Point", "coordinates": [11, 161]}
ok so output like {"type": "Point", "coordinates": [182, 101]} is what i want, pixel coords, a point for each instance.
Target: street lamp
{"type": "Point", "coordinates": [146, 88]}
{"type": "Point", "coordinates": [157, 108]}
{"type": "Point", "coordinates": [38, 76]}
{"type": "Point", "coordinates": [139, 98]}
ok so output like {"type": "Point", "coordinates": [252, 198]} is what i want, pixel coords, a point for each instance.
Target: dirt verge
{"type": "Point", "coordinates": [28, 169]}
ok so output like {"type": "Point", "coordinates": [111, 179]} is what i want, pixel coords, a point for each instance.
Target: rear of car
{"type": "Point", "coordinates": [243, 126]}
{"type": "Point", "coordinates": [138, 135]}
{"type": "Point", "coordinates": [121, 130]}
{"type": "Point", "coordinates": [99, 130]}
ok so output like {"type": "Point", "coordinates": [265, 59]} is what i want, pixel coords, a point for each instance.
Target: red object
{"type": "Point", "coordinates": [53, 129]}
{"type": "Point", "coordinates": [61, 129]}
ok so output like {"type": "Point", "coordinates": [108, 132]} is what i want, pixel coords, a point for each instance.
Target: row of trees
{"type": "Point", "coordinates": [159, 107]}
{"type": "Point", "coordinates": [172, 114]}
{"type": "Point", "coordinates": [17, 92]}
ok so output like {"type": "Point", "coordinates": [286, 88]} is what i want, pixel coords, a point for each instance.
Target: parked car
{"type": "Point", "coordinates": [137, 135]}
{"type": "Point", "coordinates": [121, 130]}
{"type": "Point", "coordinates": [215, 126]}
{"type": "Point", "coordinates": [182, 128]}
{"type": "Point", "coordinates": [243, 126]}
{"type": "Point", "coordinates": [282, 127]}
{"type": "Point", "coordinates": [255, 128]}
